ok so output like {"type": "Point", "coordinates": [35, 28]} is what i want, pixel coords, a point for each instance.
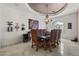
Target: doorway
{"type": "Point", "coordinates": [59, 25]}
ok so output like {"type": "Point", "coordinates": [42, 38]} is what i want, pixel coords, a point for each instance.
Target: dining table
{"type": "Point", "coordinates": [44, 39]}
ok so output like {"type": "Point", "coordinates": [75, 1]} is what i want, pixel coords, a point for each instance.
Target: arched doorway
{"type": "Point", "coordinates": [59, 25]}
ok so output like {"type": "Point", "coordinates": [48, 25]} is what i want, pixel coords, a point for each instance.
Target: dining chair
{"type": "Point", "coordinates": [35, 40]}
{"type": "Point", "coordinates": [58, 36]}
{"type": "Point", "coordinates": [52, 39]}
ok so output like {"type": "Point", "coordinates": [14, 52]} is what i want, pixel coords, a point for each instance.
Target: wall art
{"type": "Point", "coordinates": [69, 25]}
{"type": "Point", "coordinates": [33, 24]}
{"type": "Point", "coordinates": [23, 27]}
{"type": "Point", "coordinates": [9, 28]}
{"type": "Point", "coordinates": [17, 27]}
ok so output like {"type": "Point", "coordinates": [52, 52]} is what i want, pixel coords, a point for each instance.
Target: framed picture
{"type": "Point", "coordinates": [69, 25]}
{"type": "Point", "coordinates": [33, 24]}
{"type": "Point", "coordinates": [10, 26]}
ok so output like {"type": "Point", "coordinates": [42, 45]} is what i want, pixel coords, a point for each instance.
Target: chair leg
{"type": "Point", "coordinates": [37, 48]}
{"type": "Point", "coordinates": [57, 43]}
{"type": "Point", "coordinates": [50, 46]}
{"type": "Point", "coordinates": [32, 46]}
{"type": "Point", "coordinates": [45, 47]}
{"type": "Point", "coordinates": [50, 50]}
{"type": "Point", "coordinates": [54, 45]}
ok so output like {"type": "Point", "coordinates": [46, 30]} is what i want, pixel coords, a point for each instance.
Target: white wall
{"type": "Point", "coordinates": [1, 34]}
{"type": "Point", "coordinates": [18, 14]}
{"type": "Point", "coordinates": [78, 24]}
{"type": "Point", "coordinates": [68, 33]}
{"type": "Point", "coordinates": [21, 14]}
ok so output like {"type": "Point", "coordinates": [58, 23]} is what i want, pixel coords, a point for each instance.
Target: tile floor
{"type": "Point", "coordinates": [66, 48]}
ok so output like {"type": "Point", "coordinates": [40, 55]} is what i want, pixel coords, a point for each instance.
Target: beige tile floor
{"type": "Point", "coordinates": [66, 48]}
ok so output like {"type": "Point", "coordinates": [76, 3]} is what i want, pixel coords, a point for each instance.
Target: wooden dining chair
{"type": "Point", "coordinates": [35, 40]}
{"type": "Point", "coordinates": [52, 39]}
{"type": "Point", "coordinates": [58, 36]}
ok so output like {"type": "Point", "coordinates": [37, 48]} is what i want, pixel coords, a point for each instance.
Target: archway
{"type": "Point", "coordinates": [59, 25]}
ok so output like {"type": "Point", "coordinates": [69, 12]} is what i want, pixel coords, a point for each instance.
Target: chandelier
{"type": "Point", "coordinates": [47, 16]}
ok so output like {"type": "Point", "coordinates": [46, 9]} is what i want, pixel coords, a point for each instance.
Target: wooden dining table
{"type": "Point", "coordinates": [44, 39]}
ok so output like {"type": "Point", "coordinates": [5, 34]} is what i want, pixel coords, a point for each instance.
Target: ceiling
{"type": "Point", "coordinates": [70, 8]}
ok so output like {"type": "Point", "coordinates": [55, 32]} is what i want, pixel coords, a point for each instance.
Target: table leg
{"type": "Point", "coordinates": [44, 45]}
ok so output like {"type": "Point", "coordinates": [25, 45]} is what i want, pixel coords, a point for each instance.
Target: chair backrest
{"type": "Point", "coordinates": [59, 33]}
{"type": "Point", "coordinates": [53, 35]}
{"type": "Point", "coordinates": [41, 32]}
{"type": "Point", "coordinates": [34, 35]}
